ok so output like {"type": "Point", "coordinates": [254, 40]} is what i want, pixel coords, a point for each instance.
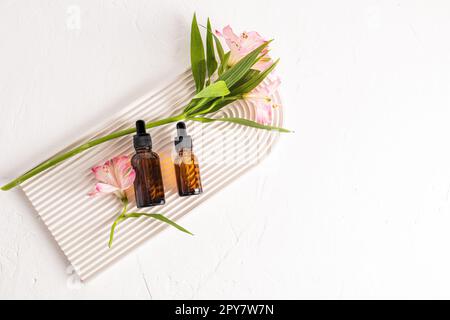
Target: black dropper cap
{"type": "Point", "coordinates": [142, 139]}
{"type": "Point", "coordinates": [183, 141]}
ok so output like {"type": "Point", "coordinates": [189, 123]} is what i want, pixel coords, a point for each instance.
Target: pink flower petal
{"type": "Point", "coordinates": [233, 42]}
{"type": "Point", "coordinates": [273, 85]}
{"type": "Point", "coordinates": [262, 98]}
{"type": "Point", "coordinates": [124, 173]}
{"type": "Point", "coordinates": [230, 37]}
{"type": "Point", "coordinates": [250, 41]}
{"type": "Point", "coordinates": [242, 45]}
{"type": "Point", "coordinates": [264, 114]}
{"type": "Point", "coordinates": [128, 180]}
{"type": "Point", "coordinates": [105, 173]}
{"type": "Point", "coordinates": [114, 176]}
{"type": "Point", "coordinates": [102, 188]}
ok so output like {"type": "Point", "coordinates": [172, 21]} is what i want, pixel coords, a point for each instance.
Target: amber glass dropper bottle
{"type": "Point", "coordinates": [186, 164]}
{"type": "Point", "coordinates": [148, 185]}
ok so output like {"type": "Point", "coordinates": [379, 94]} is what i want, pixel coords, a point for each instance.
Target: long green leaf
{"type": "Point", "coordinates": [220, 105]}
{"type": "Point", "coordinates": [210, 105]}
{"type": "Point", "coordinates": [197, 104]}
{"type": "Point", "coordinates": [224, 63]}
{"type": "Point", "coordinates": [159, 217]}
{"type": "Point", "coordinates": [215, 106]}
{"type": "Point", "coordinates": [219, 47]}
{"type": "Point", "coordinates": [211, 61]}
{"type": "Point", "coordinates": [254, 81]}
{"type": "Point", "coordinates": [240, 69]}
{"type": "Point", "coordinates": [217, 89]}
{"type": "Point", "coordinates": [240, 121]}
{"type": "Point", "coordinates": [248, 76]}
{"type": "Point", "coordinates": [198, 62]}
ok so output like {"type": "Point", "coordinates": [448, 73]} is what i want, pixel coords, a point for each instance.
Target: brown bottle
{"type": "Point", "coordinates": [148, 185]}
{"type": "Point", "coordinates": [186, 165]}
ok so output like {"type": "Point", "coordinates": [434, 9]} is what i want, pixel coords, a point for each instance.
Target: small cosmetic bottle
{"type": "Point", "coordinates": [148, 185]}
{"type": "Point", "coordinates": [186, 164]}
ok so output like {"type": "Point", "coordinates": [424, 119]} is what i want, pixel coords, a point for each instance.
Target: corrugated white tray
{"type": "Point", "coordinates": [80, 225]}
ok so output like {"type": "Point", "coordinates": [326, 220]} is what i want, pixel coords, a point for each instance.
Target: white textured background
{"type": "Point", "coordinates": [355, 204]}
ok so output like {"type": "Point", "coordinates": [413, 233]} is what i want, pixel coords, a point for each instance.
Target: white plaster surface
{"type": "Point", "coordinates": [354, 204]}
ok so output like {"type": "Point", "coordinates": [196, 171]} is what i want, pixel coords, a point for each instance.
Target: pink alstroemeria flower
{"type": "Point", "coordinates": [242, 45]}
{"type": "Point", "coordinates": [114, 176]}
{"type": "Point", "coordinates": [261, 97]}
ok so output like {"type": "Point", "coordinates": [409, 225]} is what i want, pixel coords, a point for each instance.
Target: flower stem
{"type": "Point", "coordinates": [118, 219]}
{"type": "Point", "coordinates": [59, 158]}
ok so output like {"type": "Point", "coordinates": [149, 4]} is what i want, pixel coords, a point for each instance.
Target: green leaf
{"type": "Point", "coordinates": [247, 79]}
{"type": "Point", "coordinates": [224, 63]}
{"type": "Point", "coordinates": [215, 106]}
{"type": "Point", "coordinates": [254, 81]}
{"type": "Point", "coordinates": [206, 96]}
{"type": "Point", "coordinates": [240, 121]}
{"type": "Point", "coordinates": [198, 62]}
{"type": "Point", "coordinates": [190, 105]}
{"type": "Point", "coordinates": [248, 76]}
{"type": "Point", "coordinates": [214, 90]}
{"type": "Point", "coordinates": [159, 217]}
{"type": "Point", "coordinates": [196, 104]}
{"type": "Point", "coordinates": [240, 69]}
{"type": "Point", "coordinates": [211, 61]}
{"type": "Point", "coordinates": [219, 47]}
